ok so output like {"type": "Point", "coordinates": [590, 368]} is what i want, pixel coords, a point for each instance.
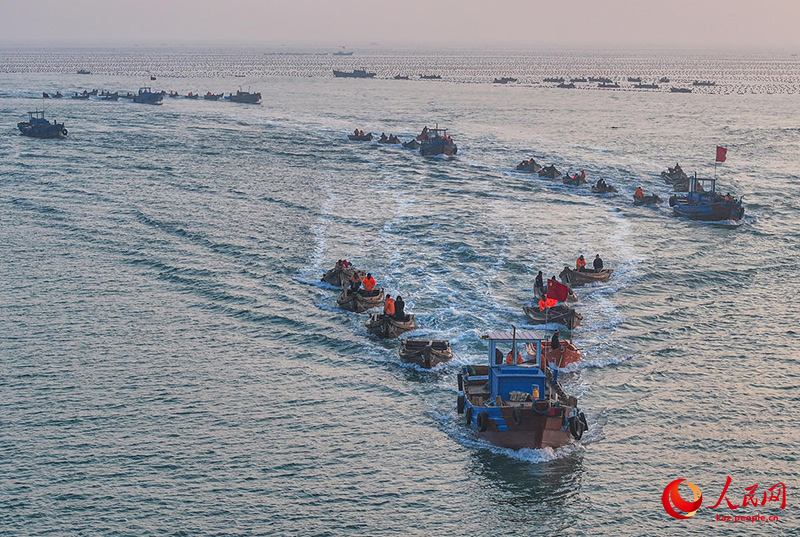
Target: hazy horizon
{"type": "Point", "coordinates": [608, 24]}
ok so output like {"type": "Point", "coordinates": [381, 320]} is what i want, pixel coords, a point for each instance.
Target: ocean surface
{"type": "Point", "coordinates": [170, 363]}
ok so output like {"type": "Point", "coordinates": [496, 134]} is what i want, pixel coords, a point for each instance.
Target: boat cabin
{"type": "Point", "coordinates": [37, 118]}
{"type": "Point", "coordinates": [527, 376]}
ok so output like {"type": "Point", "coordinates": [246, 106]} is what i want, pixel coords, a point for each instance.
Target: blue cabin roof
{"type": "Point", "coordinates": [505, 378]}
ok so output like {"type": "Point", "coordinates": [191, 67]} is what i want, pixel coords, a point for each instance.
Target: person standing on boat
{"type": "Point", "coordinates": [539, 283]}
{"type": "Point", "coordinates": [369, 283]}
{"type": "Point", "coordinates": [598, 263]}
{"type": "Point", "coordinates": [355, 282]}
{"type": "Point", "coordinates": [399, 309]}
{"type": "Point", "coordinates": [555, 343]}
{"type": "Point", "coordinates": [510, 357]}
{"type": "Point", "coordinates": [580, 264]}
{"type": "Point", "coordinates": [545, 303]}
{"type": "Point", "coordinates": [639, 193]}
{"type": "Point", "coordinates": [583, 174]}
{"type": "Point", "coordinates": [388, 306]}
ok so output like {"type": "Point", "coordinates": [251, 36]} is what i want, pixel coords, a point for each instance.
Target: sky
{"type": "Point", "coordinates": [677, 24]}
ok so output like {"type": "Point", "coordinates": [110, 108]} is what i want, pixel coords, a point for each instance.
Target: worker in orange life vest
{"type": "Point", "coordinates": [639, 193]}
{"type": "Point", "coordinates": [545, 303]}
{"type": "Point", "coordinates": [388, 306]}
{"type": "Point", "coordinates": [510, 359]}
{"type": "Point", "coordinates": [369, 282]}
{"type": "Point", "coordinates": [580, 264]}
{"type": "Point", "coordinates": [583, 174]}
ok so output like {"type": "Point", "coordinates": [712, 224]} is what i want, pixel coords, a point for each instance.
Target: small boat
{"type": "Point", "coordinates": [213, 96]}
{"type": "Point", "coordinates": [173, 94]}
{"type": "Point", "coordinates": [603, 189]}
{"type": "Point", "coordinates": [438, 143]}
{"type": "Point", "coordinates": [608, 85]}
{"type": "Point", "coordinates": [528, 166]}
{"type": "Point", "coordinates": [45, 95]}
{"type": "Point", "coordinates": [575, 278]}
{"type": "Point", "coordinates": [663, 80]}
{"type": "Point", "coordinates": [675, 176]}
{"type": "Point", "coordinates": [559, 80]}
{"type": "Point", "coordinates": [504, 80]}
{"type": "Point", "coordinates": [571, 297]}
{"type": "Point", "coordinates": [38, 127]}
{"type": "Point", "coordinates": [412, 144]}
{"type": "Point", "coordinates": [425, 353]}
{"type": "Point", "coordinates": [575, 180]}
{"type": "Point", "coordinates": [366, 137]}
{"type": "Point", "coordinates": [521, 405]}
{"type": "Point", "coordinates": [430, 77]}
{"type": "Point", "coordinates": [384, 326]}
{"type": "Point", "coordinates": [401, 77]}
{"type": "Point", "coordinates": [652, 199]}
{"type": "Point", "coordinates": [84, 95]}
{"type": "Point", "coordinates": [566, 85]}
{"type": "Point", "coordinates": [600, 79]}
{"type": "Point", "coordinates": [358, 73]}
{"type": "Point", "coordinates": [559, 314]}
{"type": "Point", "coordinates": [93, 93]}
{"type": "Point", "coordinates": [703, 83]}
{"type": "Point", "coordinates": [680, 90]}
{"type": "Point", "coordinates": [245, 97]}
{"type": "Point", "coordinates": [343, 52]}
{"type": "Point", "coordinates": [646, 86]}
{"type": "Point", "coordinates": [58, 95]}
{"type": "Point", "coordinates": [191, 95]}
{"type": "Point", "coordinates": [391, 139]}
{"type": "Point", "coordinates": [702, 202]}
{"type": "Point", "coordinates": [579, 79]}
{"type": "Point", "coordinates": [84, 72]}
{"type": "Point", "coordinates": [146, 96]}
{"type": "Point", "coordinates": [634, 79]}
{"type": "Point", "coordinates": [567, 353]}
{"type": "Point", "coordinates": [340, 276]}
{"type": "Point", "coordinates": [361, 300]}
{"type": "Point", "coordinates": [550, 172]}
{"type": "Point", "coordinates": [110, 96]}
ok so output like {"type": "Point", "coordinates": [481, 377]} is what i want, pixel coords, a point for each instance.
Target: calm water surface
{"type": "Point", "coordinates": [171, 365]}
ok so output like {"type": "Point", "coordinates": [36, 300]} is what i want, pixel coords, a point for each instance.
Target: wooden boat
{"type": "Point", "coordinates": [58, 95]}
{"type": "Point", "coordinates": [213, 96]}
{"type": "Point", "coordinates": [603, 189]}
{"type": "Point", "coordinates": [702, 202]}
{"type": "Point", "coordinates": [559, 314]}
{"type": "Point", "coordinates": [575, 278]}
{"type": "Point", "coordinates": [438, 143]}
{"type": "Point", "coordinates": [430, 77]}
{"type": "Point", "coordinates": [412, 144]}
{"type": "Point", "coordinates": [504, 80]}
{"type": "Point", "coordinates": [579, 79]}
{"type": "Point", "coordinates": [647, 200]}
{"type": "Point", "coordinates": [390, 140]}
{"type": "Point", "coordinates": [425, 353]}
{"type": "Point", "coordinates": [703, 83]}
{"type": "Point", "coordinates": [680, 90]}
{"type": "Point", "coordinates": [558, 80]}
{"type": "Point", "coordinates": [674, 176]}
{"type": "Point", "coordinates": [340, 277]}
{"type": "Point", "coordinates": [38, 127]}
{"type": "Point", "coordinates": [608, 85]}
{"type": "Point", "coordinates": [574, 181]}
{"type": "Point", "coordinates": [601, 79]}
{"type": "Point", "coordinates": [529, 166]}
{"type": "Point", "coordinates": [359, 138]}
{"type": "Point", "coordinates": [635, 79]}
{"type": "Point", "coordinates": [45, 95]}
{"type": "Point", "coordinates": [646, 86]}
{"type": "Point", "coordinates": [84, 95]}
{"type": "Point", "coordinates": [385, 326]}
{"type": "Point", "coordinates": [401, 77]}
{"type": "Point", "coordinates": [110, 97]}
{"type": "Point", "coordinates": [567, 353]}
{"type": "Point", "coordinates": [521, 405]}
{"type": "Point", "coordinates": [663, 80]}
{"type": "Point", "coordinates": [550, 172]}
{"type": "Point", "coordinates": [566, 85]}
{"type": "Point", "coordinates": [84, 72]}
{"type": "Point", "coordinates": [361, 300]}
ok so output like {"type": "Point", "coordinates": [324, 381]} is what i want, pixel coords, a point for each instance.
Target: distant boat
{"type": "Point", "coordinates": [146, 96]}
{"type": "Point", "coordinates": [559, 80]}
{"type": "Point", "coordinates": [437, 142]}
{"type": "Point", "coordinates": [213, 96]}
{"type": "Point", "coordinates": [566, 85]}
{"type": "Point", "coordinates": [343, 53]}
{"type": "Point", "coordinates": [358, 73]}
{"type": "Point", "coordinates": [703, 83]}
{"type": "Point", "coordinates": [38, 127]}
{"type": "Point", "coordinates": [430, 77]}
{"type": "Point", "coordinates": [58, 95]}
{"type": "Point", "coordinates": [634, 79]}
{"type": "Point", "coordinates": [601, 79]}
{"type": "Point", "coordinates": [663, 80]}
{"type": "Point", "coordinates": [401, 77]}
{"type": "Point", "coordinates": [680, 90]}
{"type": "Point", "coordinates": [646, 86]}
{"type": "Point", "coordinates": [84, 72]}
{"type": "Point", "coordinates": [191, 95]}
{"type": "Point", "coordinates": [45, 95]}
{"type": "Point", "coordinates": [84, 95]}
{"type": "Point", "coordinates": [245, 97]}
{"type": "Point", "coordinates": [110, 96]}
{"type": "Point", "coordinates": [702, 202]}
{"type": "Point", "coordinates": [504, 80]}
{"type": "Point", "coordinates": [577, 80]}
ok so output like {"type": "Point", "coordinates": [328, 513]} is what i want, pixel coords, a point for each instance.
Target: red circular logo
{"type": "Point", "coordinates": [672, 497]}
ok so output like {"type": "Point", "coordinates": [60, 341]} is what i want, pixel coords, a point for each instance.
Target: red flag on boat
{"type": "Point", "coordinates": [722, 152]}
{"type": "Point", "coordinates": [153, 78]}
{"type": "Point", "coordinates": [556, 290]}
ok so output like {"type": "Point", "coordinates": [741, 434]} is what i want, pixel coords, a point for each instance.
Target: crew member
{"type": "Point", "coordinates": [388, 306]}
{"type": "Point", "coordinates": [580, 264]}
{"type": "Point", "coordinates": [639, 193]}
{"type": "Point", "coordinates": [369, 282]}
{"type": "Point", "coordinates": [555, 343]}
{"type": "Point", "coordinates": [539, 283]}
{"type": "Point", "coordinates": [598, 263]}
{"type": "Point", "coordinates": [510, 357]}
{"type": "Point", "coordinates": [399, 309]}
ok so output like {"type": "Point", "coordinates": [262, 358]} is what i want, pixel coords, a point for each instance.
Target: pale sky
{"type": "Point", "coordinates": [682, 24]}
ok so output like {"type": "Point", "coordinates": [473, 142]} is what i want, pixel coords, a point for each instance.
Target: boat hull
{"type": "Point", "coordinates": [246, 98]}
{"type": "Point", "coordinates": [438, 147]}
{"type": "Point", "coordinates": [647, 200]}
{"type": "Point", "coordinates": [576, 278]}
{"type": "Point", "coordinates": [359, 138]}
{"type": "Point", "coordinates": [710, 213]}
{"type": "Point", "coordinates": [532, 167]}
{"type": "Point", "coordinates": [607, 190]}
{"type": "Point", "coordinates": [529, 430]}
{"type": "Point", "coordinates": [42, 131]}
{"type": "Point", "coordinates": [361, 300]}
{"type": "Point", "coordinates": [560, 314]}
{"type": "Point", "coordinates": [425, 353]}
{"type": "Point", "coordinates": [341, 277]}
{"type": "Point", "coordinates": [384, 326]}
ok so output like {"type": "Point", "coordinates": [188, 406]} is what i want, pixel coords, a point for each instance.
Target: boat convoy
{"type": "Point", "coordinates": [514, 401]}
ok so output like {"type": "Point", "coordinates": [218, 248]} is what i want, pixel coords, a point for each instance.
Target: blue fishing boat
{"type": "Point", "coordinates": [146, 96]}
{"type": "Point", "coordinates": [245, 97]}
{"type": "Point", "coordinates": [38, 127]}
{"type": "Point", "coordinates": [702, 202]}
{"type": "Point", "coordinates": [436, 142]}
{"type": "Point", "coordinates": [517, 403]}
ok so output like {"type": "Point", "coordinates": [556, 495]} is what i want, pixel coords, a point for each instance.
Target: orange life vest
{"type": "Point", "coordinates": [580, 263]}
{"type": "Point", "coordinates": [388, 306]}
{"type": "Point", "coordinates": [542, 304]}
{"type": "Point", "coordinates": [639, 193]}
{"type": "Point", "coordinates": [368, 283]}
{"type": "Point", "coordinates": [510, 359]}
